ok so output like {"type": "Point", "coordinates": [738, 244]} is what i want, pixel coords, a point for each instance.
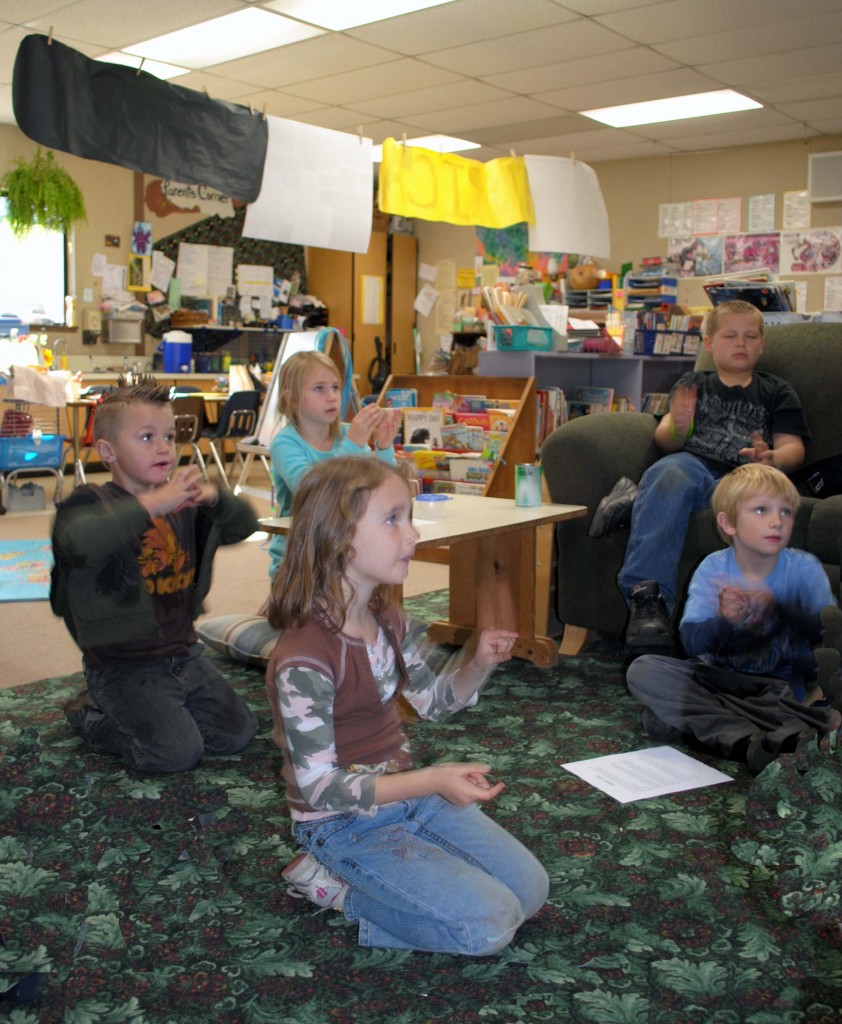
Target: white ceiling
{"type": "Point", "coordinates": [508, 74]}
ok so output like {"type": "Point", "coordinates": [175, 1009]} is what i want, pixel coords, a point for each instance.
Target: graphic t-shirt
{"type": "Point", "coordinates": [166, 558]}
{"type": "Point", "coordinates": [726, 417]}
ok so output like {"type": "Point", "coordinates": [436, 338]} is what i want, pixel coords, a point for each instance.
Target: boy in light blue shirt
{"type": "Point", "coordinates": [753, 615]}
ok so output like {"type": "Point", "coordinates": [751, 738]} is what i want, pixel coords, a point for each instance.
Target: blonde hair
{"type": "Point", "coordinates": [293, 374]}
{"type": "Point", "coordinates": [746, 481]}
{"type": "Point", "coordinates": [313, 578]}
{"type": "Point", "coordinates": [713, 321]}
{"type": "Point", "coordinates": [108, 416]}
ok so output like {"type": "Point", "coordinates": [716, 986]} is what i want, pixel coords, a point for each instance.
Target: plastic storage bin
{"type": "Point", "coordinates": [519, 338]}
{"type": "Point", "coordinates": [28, 453]}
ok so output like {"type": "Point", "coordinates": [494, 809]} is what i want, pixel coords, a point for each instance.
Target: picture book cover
{"type": "Point", "coordinates": [399, 398]}
{"type": "Point", "coordinates": [423, 426]}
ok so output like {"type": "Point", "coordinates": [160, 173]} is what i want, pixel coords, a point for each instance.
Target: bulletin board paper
{"type": "Point", "coordinates": [318, 189]}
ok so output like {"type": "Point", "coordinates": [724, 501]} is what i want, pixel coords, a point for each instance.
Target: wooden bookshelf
{"type": "Point", "coordinates": [519, 446]}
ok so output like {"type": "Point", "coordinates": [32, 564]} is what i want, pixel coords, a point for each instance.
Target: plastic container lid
{"type": "Point", "coordinates": [433, 497]}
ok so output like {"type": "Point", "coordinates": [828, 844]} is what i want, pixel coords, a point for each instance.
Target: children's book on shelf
{"type": "Point", "coordinates": [589, 400]}
{"type": "Point", "coordinates": [654, 402]}
{"type": "Point", "coordinates": [398, 398]}
{"type": "Point", "coordinates": [423, 426]}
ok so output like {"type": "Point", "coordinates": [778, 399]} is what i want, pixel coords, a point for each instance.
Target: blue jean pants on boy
{"type": "Point", "coordinates": [669, 492]}
{"type": "Point", "coordinates": [163, 714]}
{"type": "Point", "coordinates": [427, 875]}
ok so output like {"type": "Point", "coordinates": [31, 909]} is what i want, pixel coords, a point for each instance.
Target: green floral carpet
{"type": "Point", "coordinates": [147, 899]}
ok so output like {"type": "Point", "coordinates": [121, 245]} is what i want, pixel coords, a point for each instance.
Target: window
{"type": "Point", "coordinates": [33, 282]}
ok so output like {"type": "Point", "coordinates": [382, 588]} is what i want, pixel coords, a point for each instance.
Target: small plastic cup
{"type": "Point", "coordinates": [431, 506]}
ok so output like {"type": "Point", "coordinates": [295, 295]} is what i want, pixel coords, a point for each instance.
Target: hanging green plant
{"type": "Point", "coordinates": [41, 192]}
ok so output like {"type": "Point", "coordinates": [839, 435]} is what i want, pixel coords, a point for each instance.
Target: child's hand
{"type": "Point", "coordinates": [494, 647]}
{"type": "Point", "coordinates": [760, 452]}
{"type": "Point", "coordinates": [185, 487]}
{"type": "Point", "coordinates": [387, 428]}
{"type": "Point", "coordinates": [465, 784]}
{"type": "Point", "coordinates": [683, 409]}
{"type": "Point", "coordinates": [364, 424]}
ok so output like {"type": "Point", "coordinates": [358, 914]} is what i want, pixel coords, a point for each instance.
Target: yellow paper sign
{"type": "Point", "coordinates": [417, 182]}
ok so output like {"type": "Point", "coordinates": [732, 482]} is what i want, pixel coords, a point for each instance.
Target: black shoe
{"type": "Point", "coordinates": [657, 729]}
{"type": "Point", "coordinates": [76, 710]}
{"type": "Point", "coordinates": [615, 508]}
{"type": "Point", "coordinates": [649, 621]}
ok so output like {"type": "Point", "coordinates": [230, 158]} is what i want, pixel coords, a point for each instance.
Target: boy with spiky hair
{"type": "Point", "coordinates": [132, 566]}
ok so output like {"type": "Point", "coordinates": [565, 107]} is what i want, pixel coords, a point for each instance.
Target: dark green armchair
{"type": "Point", "coordinates": [584, 458]}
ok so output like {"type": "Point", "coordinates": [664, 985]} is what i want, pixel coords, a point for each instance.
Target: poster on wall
{"type": "Point", "coordinates": [695, 257]}
{"type": "Point", "coordinates": [811, 252]}
{"type": "Point", "coordinates": [748, 252]}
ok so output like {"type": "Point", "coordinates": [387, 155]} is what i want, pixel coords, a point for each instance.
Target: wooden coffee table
{"type": "Point", "coordinates": [500, 568]}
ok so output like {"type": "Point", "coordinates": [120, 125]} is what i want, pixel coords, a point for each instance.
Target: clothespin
{"type": "Point", "coordinates": [251, 111]}
{"type": "Point", "coordinates": [264, 111]}
{"type": "Point", "coordinates": [360, 133]}
{"type": "Point", "coordinates": [50, 37]}
{"type": "Point", "coordinates": [403, 139]}
{"type": "Point", "coordinates": [205, 90]}
{"type": "Point", "coordinates": [140, 66]}
{"type": "Point", "coordinates": [572, 156]}
{"type": "Point", "coordinates": [514, 155]}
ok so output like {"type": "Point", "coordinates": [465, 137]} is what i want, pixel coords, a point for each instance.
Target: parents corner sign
{"type": "Point", "coordinates": [164, 196]}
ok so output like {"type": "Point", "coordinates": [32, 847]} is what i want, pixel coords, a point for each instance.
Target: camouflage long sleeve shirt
{"type": "Point", "coordinates": [306, 698]}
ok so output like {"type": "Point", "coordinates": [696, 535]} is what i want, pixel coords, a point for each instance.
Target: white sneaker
{"type": "Point", "coordinates": [309, 879]}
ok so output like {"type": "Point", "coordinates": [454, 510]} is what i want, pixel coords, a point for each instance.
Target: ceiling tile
{"type": "Point", "coordinates": [461, 120]}
{"type": "Point", "coordinates": [280, 104]}
{"type": "Point", "coordinates": [217, 88]}
{"type": "Point", "coordinates": [440, 97]}
{"type": "Point", "coordinates": [685, 19]}
{"type": "Point", "coordinates": [781, 37]}
{"type": "Point", "coordinates": [303, 62]}
{"type": "Point", "coordinates": [716, 124]}
{"type": "Point", "coordinates": [638, 60]}
{"type": "Point", "coordinates": [754, 136]}
{"type": "Point", "coordinates": [790, 90]}
{"type": "Point", "coordinates": [336, 118]}
{"type": "Point", "coordinates": [680, 82]}
{"type": "Point", "coordinates": [505, 134]}
{"type": "Point", "coordinates": [591, 8]}
{"type": "Point", "coordinates": [812, 110]}
{"type": "Point", "coordinates": [454, 24]}
{"type": "Point", "coordinates": [746, 70]}
{"type": "Point", "coordinates": [115, 24]}
{"type": "Point", "coordinates": [366, 83]}
{"type": "Point", "coordinates": [516, 50]}
{"type": "Point", "coordinates": [829, 127]}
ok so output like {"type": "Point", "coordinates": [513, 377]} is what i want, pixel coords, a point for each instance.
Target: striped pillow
{"type": "Point", "coordinates": [246, 638]}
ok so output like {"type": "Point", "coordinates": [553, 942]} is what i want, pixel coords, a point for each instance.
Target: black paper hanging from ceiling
{"type": "Point", "coordinates": [64, 100]}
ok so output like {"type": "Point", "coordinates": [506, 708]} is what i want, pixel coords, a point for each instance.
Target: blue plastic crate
{"type": "Point", "coordinates": [31, 453]}
{"type": "Point", "coordinates": [522, 337]}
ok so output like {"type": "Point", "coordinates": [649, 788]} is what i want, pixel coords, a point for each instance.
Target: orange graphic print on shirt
{"type": "Point", "coordinates": [163, 561]}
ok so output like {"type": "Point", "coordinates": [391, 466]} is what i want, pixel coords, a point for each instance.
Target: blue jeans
{"type": "Point", "coordinates": [669, 492]}
{"type": "Point", "coordinates": [425, 874]}
{"type": "Point", "coordinates": [163, 714]}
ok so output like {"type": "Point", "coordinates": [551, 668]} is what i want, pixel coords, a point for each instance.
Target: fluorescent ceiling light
{"type": "Point", "coordinates": [154, 67]}
{"type": "Point", "coordinates": [440, 143]}
{"type": "Point", "coordinates": [675, 108]}
{"type": "Point", "coordinates": [221, 39]}
{"type": "Point", "coordinates": [342, 14]}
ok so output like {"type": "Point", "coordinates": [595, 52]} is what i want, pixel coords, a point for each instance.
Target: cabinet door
{"type": "Point", "coordinates": [404, 274]}
{"type": "Point", "coordinates": [369, 306]}
{"type": "Point", "coordinates": [329, 278]}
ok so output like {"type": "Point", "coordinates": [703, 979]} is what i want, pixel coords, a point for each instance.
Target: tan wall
{"type": "Point", "coordinates": [633, 189]}
{"type": "Point", "coordinates": [109, 198]}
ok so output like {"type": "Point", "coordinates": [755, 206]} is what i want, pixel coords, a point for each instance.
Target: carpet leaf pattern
{"type": "Point", "coordinates": [128, 899]}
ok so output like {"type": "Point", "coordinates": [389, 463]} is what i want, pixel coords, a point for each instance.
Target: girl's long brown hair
{"type": "Point", "coordinates": [313, 578]}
